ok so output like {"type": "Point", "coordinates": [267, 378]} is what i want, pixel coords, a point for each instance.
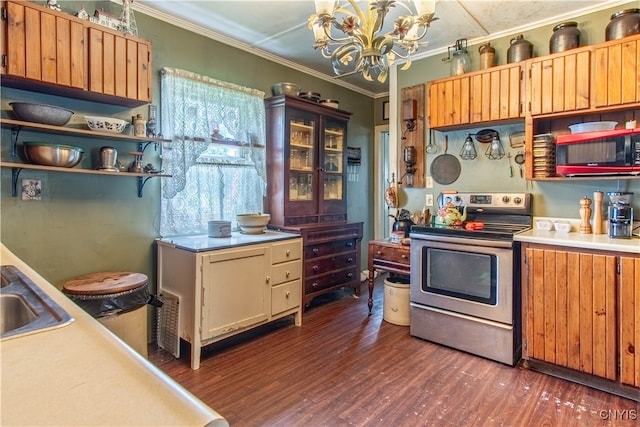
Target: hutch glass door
{"type": "Point", "coordinates": [302, 143]}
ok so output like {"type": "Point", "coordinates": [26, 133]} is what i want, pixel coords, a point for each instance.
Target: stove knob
{"type": "Point", "coordinates": [517, 200]}
{"type": "Point", "coordinates": [505, 199]}
{"type": "Point", "coordinates": [457, 199]}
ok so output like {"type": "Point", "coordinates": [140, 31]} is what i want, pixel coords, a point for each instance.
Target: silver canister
{"type": "Point", "coordinates": [108, 158]}
{"type": "Point", "coordinates": [565, 36]}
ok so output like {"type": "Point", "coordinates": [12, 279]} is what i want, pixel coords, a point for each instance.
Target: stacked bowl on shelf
{"type": "Point", "coordinates": [544, 155]}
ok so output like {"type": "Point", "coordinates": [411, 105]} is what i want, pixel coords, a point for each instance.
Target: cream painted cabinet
{"type": "Point", "coordinates": [226, 291]}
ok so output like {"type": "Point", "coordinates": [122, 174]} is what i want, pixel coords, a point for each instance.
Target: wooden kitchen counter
{"type": "Point", "coordinates": [387, 256]}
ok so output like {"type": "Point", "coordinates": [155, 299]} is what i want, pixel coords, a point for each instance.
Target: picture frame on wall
{"type": "Point", "coordinates": [385, 110]}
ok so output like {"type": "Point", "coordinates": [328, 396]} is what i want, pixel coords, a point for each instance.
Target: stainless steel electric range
{"type": "Point", "coordinates": [465, 282]}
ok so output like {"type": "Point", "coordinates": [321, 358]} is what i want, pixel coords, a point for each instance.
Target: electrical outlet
{"type": "Point", "coordinates": [429, 182]}
{"type": "Point", "coordinates": [428, 200]}
{"type": "Point", "coordinates": [31, 189]}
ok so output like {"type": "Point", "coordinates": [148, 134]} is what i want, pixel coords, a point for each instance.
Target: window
{"type": "Point", "coordinates": [216, 154]}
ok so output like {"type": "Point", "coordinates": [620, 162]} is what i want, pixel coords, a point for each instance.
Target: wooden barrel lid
{"type": "Point", "coordinates": [105, 283]}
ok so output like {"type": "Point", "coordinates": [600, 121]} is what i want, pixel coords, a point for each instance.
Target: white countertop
{"type": "Point", "coordinates": [578, 240]}
{"type": "Point", "coordinates": [82, 374]}
{"type": "Point", "coordinates": [202, 242]}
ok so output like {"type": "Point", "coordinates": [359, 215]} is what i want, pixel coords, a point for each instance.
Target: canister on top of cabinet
{"type": "Point", "coordinates": [487, 56]}
{"type": "Point", "coordinates": [565, 36]}
{"type": "Point", "coordinates": [623, 23]}
{"type": "Point", "coordinates": [519, 49]}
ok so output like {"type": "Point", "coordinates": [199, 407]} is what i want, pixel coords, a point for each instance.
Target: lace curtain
{"type": "Point", "coordinates": [198, 113]}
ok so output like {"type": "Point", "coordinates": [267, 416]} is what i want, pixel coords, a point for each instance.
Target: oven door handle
{"type": "Point", "coordinates": [463, 241]}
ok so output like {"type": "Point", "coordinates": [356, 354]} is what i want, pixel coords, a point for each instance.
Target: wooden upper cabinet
{"type": "Point", "coordinates": [560, 83]}
{"type": "Point", "coordinates": [119, 65]}
{"type": "Point", "coordinates": [53, 52]}
{"type": "Point", "coordinates": [570, 310]}
{"type": "Point", "coordinates": [496, 94]}
{"type": "Point", "coordinates": [43, 46]}
{"type": "Point", "coordinates": [616, 73]}
{"type": "Point", "coordinates": [482, 96]}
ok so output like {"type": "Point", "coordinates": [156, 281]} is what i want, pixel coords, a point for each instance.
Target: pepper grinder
{"type": "Point", "coordinates": [585, 215]}
{"type": "Point", "coordinates": [597, 212]}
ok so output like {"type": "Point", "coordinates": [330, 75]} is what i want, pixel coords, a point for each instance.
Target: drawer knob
{"type": "Point", "coordinates": [349, 244]}
{"type": "Point", "coordinates": [314, 285]}
{"type": "Point", "coordinates": [286, 294]}
{"type": "Point", "coordinates": [268, 279]}
{"type": "Point", "coordinates": [316, 250]}
{"type": "Point", "coordinates": [315, 268]}
{"type": "Point", "coordinates": [379, 252]}
{"type": "Point", "coordinates": [404, 256]}
{"type": "Point", "coordinates": [288, 253]}
{"type": "Point", "coordinates": [349, 275]}
{"type": "Point", "coordinates": [350, 260]}
{"type": "Point", "coordinates": [287, 274]}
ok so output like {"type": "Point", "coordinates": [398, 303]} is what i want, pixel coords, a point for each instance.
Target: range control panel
{"type": "Point", "coordinates": [519, 202]}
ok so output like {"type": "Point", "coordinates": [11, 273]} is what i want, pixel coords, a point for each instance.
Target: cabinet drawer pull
{"type": "Point", "coordinates": [268, 279]}
{"type": "Point", "coordinates": [350, 260]}
{"type": "Point", "coordinates": [349, 244]}
{"type": "Point", "coordinates": [315, 285]}
{"type": "Point", "coordinates": [404, 256]}
{"type": "Point", "coordinates": [315, 251]}
{"type": "Point", "coordinates": [288, 253]}
{"type": "Point", "coordinates": [379, 252]}
{"type": "Point", "coordinates": [349, 275]}
{"type": "Point", "coordinates": [315, 268]}
{"type": "Point", "coordinates": [287, 274]}
{"type": "Point", "coordinates": [286, 294]}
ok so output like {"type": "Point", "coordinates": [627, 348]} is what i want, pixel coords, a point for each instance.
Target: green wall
{"type": "Point", "coordinates": [88, 223]}
{"type": "Point", "coordinates": [550, 198]}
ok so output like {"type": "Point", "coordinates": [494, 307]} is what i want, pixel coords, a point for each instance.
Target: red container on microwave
{"type": "Point", "coordinates": [607, 152]}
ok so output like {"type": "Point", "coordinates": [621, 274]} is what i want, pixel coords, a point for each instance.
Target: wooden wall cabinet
{"type": "Point", "coordinates": [306, 190]}
{"type": "Point", "coordinates": [217, 302]}
{"type": "Point", "coordinates": [54, 52]}
{"type": "Point", "coordinates": [580, 311]}
{"type": "Point", "coordinates": [560, 83]}
{"type": "Point", "coordinates": [482, 96]}
{"type": "Point", "coordinates": [616, 73]}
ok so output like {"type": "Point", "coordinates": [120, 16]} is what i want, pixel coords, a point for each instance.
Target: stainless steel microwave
{"type": "Point", "coordinates": [609, 152]}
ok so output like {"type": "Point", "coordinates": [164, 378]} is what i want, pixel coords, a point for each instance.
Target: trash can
{"type": "Point", "coordinates": [118, 300]}
{"type": "Point", "coordinates": [396, 300]}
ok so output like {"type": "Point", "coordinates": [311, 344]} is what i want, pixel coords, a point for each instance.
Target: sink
{"type": "Point", "coordinates": [26, 309]}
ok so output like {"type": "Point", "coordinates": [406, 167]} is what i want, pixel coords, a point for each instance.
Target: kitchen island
{"type": "Point", "coordinates": [82, 374]}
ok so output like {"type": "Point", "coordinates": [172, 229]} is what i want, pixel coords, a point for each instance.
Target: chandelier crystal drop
{"type": "Point", "coordinates": [355, 41]}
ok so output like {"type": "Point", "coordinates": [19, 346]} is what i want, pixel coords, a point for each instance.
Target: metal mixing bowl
{"type": "Point", "coordinates": [41, 113]}
{"type": "Point", "coordinates": [64, 156]}
{"type": "Point", "coordinates": [284, 88]}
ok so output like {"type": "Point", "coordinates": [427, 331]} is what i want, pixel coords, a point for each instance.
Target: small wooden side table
{"type": "Point", "coordinates": [387, 256]}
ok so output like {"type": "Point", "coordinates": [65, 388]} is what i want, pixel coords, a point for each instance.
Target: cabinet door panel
{"type": "Point", "coordinates": [571, 317]}
{"type": "Point", "coordinates": [630, 321]}
{"type": "Point", "coordinates": [231, 302]}
{"type": "Point", "coordinates": [616, 68]}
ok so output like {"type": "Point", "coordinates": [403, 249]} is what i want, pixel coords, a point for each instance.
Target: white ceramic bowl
{"type": "Point", "coordinates": [544, 225]}
{"type": "Point", "coordinates": [562, 226]}
{"type": "Point", "coordinates": [219, 228]}
{"type": "Point", "coordinates": [252, 223]}
{"type": "Point", "coordinates": [106, 124]}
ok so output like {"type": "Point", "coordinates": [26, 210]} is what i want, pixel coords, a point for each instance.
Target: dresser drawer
{"type": "Point", "coordinates": [318, 265]}
{"type": "Point", "coordinates": [333, 233]}
{"type": "Point", "coordinates": [286, 271]}
{"type": "Point", "coordinates": [286, 296]}
{"type": "Point", "coordinates": [399, 254]}
{"type": "Point", "coordinates": [315, 250]}
{"type": "Point", "coordinates": [286, 251]}
{"type": "Point", "coordinates": [331, 280]}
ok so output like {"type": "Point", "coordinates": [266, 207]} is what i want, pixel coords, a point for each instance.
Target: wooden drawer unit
{"type": "Point", "coordinates": [331, 257]}
{"type": "Point", "coordinates": [387, 256]}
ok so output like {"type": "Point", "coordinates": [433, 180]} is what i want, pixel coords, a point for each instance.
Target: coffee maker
{"type": "Point", "coordinates": [620, 215]}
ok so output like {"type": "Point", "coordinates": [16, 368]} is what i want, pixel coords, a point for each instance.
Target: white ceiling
{"type": "Point", "coordinates": [278, 29]}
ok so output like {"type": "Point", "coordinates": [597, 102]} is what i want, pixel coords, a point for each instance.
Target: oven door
{"type": "Point", "coordinates": [467, 276]}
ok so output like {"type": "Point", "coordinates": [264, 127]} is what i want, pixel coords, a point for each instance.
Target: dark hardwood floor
{"type": "Point", "coordinates": [344, 368]}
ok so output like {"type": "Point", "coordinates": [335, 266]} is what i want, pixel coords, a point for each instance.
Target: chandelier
{"type": "Point", "coordinates": [354, 39]}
